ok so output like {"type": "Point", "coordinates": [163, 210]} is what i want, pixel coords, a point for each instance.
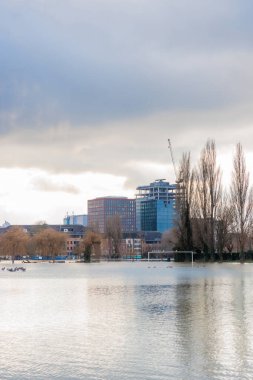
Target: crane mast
{"type": "Point", "coordinates": [172, 158]}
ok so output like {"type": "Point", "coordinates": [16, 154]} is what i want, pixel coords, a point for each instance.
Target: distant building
{"type": "Point", "coordinates": [131, 247]}
{"type": "Point", "coordinates": [76, 219]}
{"type": "Point", "coordinates": [151, 237]}
{"type": "Point", "coordinates": [156, 206]}
{"type": "Point", "coordinates": [74, 233]}
{"type": "Point", "coordinates": [5, 224]}
{"type": "Point", "coordinates": [100, 209]}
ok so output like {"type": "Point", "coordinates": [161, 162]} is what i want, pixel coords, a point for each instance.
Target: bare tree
{"type": "Point", "coordinates": [184, 203]}
{"type": "Point", "coordinates": [201, 202]}
{"type": "Point", "coordinates": [114, 234]}
{"type": "Point", "coordinates": [89, 245]}
{"type": "Point", "coordinates": [242, 199]}
{"type": "Point", "coordinates": [170, 239]}
{"type": "Point", "coordinates": [49, 242]}
{"type": "Point", "coordinates": [208, 195]}
{"type": "Point", "coordinates": [224, 225]}
{"type": "Point", "coordinates": [215, 190]}
{"type": "Point", "coordinates": [14, 243]}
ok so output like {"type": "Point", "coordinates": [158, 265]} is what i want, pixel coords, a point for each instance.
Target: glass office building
{"type": "Point", "coordinates": [156, 206]}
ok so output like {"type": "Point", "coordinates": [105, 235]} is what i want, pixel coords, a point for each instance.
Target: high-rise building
{"type": "Point", "coordinates": [156, 206]}
{"type": "Point", "coordinates": [100, 209]}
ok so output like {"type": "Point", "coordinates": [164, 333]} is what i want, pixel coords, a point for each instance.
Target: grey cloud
{"type": "Point", "coordinates": [96, 61]}
{"type": "Point", "coordinates": [98, 85]}
{"type": "Point", "coordinates": [136, 149]}
{"type": "Point", "coordinates": [42, 184]}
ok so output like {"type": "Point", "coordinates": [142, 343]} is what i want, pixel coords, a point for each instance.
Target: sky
{"type": "Point", "coordinates": [91, 90]}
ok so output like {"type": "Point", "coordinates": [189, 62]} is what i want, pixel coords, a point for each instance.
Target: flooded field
{"type": "Point", "coordinates": [139, 321]}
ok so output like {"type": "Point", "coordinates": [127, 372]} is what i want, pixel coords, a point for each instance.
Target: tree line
{"type": "Point", "coordinates": [46, 242]}
{"type": "Point", "coordinates": [212, 219]}
{"type": "Point", "coordinates": [41, 240]}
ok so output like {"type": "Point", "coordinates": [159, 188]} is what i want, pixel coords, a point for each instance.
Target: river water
{"type": "Point", "coordinates": [139, 321]}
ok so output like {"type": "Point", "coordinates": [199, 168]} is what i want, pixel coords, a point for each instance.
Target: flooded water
{"type": "Point", "coordinates": [139, 321]}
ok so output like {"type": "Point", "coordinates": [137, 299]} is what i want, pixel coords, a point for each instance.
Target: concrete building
{"type": "Point", "coordinates": [100, 209]}
{"type": "Point", "coordinates": [155, 206]}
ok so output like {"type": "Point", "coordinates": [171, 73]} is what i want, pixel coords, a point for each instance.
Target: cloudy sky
{"type": "Point", "coordinates": [90, 91]}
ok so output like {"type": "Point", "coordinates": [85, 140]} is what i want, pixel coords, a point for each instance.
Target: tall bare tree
{"type": "Point", "coordinates": [201, 202]}
{"type": "Point", "coordinates": [215, 190]}
{"type": "Point", "coordinates": [14, 243]}
{"type": "Point", "coordinates": [208, 195]}
{"type": "Point", "coordinates": [184, 197]}
{"type": "Point", "coordinates": [241, 198]}
{"type": "Point", "coordinates": [224, 225]}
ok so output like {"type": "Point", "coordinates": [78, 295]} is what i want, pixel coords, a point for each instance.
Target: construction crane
{"type": "Point", "coordinates": [172, 158]}
{"type": "Point", "coordinates": [177, 175]}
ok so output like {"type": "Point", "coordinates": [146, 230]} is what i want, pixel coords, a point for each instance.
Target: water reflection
{"type": "Point", "coordinates": [211, 325]}
{"type": "Point", "coordinates": [127, 321]}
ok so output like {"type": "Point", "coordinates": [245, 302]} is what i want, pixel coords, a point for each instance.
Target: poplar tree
{"type": "Point", "coordinates": [207, 196]}
{"type": "Point", "coordinates": [184, 198]}
{"type": "Point", "coordinates": [242, 199]}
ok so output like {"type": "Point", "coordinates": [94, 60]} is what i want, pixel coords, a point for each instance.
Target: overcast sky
{"type": "Point", "coordinates": [90, 91]}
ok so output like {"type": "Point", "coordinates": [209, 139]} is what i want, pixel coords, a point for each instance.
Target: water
{"type": "Point", "coordinates": [139, 321]}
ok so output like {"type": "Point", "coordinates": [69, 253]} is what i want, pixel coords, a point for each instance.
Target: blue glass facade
{"type": "Point", "coordinates": [149, 215]}
{"type": "Point", "coordinates": [155, 207]}
{"type": "Point", "coordinates": [165, 215]}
